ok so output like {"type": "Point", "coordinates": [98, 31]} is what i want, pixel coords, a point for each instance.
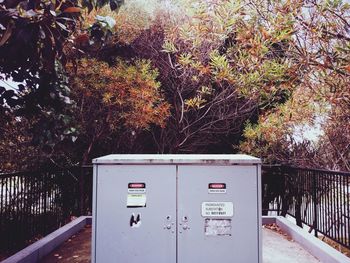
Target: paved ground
{"type": "Point", "coordinates": [277, 248]}
{"type": "Point", "coordinates": [74, 250]}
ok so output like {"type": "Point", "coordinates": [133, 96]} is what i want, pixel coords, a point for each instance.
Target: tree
{"type": "Point", "coordinates": [227, 71]}
{"type": "Point", "coordinates": [33, 35]}
{"type": "Point", "coordinates": [321, 48]}
{"type": "Point", "coordinates": [36, 40]}
{"type": "Point", "coordinates": [278, 136]}
{"type": "Point", "coordinates": [218, 65]}
{"type": "Point", "coordinates": [115, 104]}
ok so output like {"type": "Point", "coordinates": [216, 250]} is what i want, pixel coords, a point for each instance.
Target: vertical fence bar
{"type": "Point", "coordinates": [338, 208]}
{"type": "Point", "coordinates": [321, 204]}
{"type": "Point", "coordinates": [10, 213]}
{"type": "Point", "coordinates": [348, 209]}
{"type": "Point", "coordinates": [341, 197]}
{"type": "Point", "coordinates": [335, 205]}
{"type": "Point", "coordinates": [15, 202]}
{"type": "Point", "coordinates": [314, 189]}
{"type": "Point", "coordinates": [299, 196]}
{"type": "Point", "coordinates": [306, 215]}
{"type": "Point", "coordinates": [329, 189]}
{"type": "Point", "coordinates": [2, 212]}
{"type": "Point", "coordinates": [22, 207]}
{"type": "Point", "coordinates": [44, 195]}
{"type": "Point", "coordinates": [331, 200]}
{"type": "Point", "coordinates": [29, 189]}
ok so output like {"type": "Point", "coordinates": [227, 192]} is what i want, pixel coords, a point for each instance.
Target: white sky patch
{"type": "Point", "coordinates": [9, 84]}
{"type": "Point", "coordinates": [309, 132]}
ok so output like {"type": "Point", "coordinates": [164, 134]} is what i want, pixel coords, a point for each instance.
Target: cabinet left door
{"type": "Point", "coordinates": [135, 214]}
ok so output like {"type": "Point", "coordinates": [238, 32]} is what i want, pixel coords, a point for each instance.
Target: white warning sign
{"type": "Point", "coordinates": [217, 227]}
{"type": "Point", "coordinates": [136, 200]}
{"type": "Point", "coordinates": [217, 209]}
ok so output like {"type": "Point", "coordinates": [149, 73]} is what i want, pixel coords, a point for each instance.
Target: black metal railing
{"type": "Point", "coordinates": [33, 204]}
{"type": "Point", "coordinates": [319, 199]}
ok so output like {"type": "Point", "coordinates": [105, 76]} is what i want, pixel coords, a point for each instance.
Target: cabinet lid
{"type": "Point", "coordinates": [213, 159]}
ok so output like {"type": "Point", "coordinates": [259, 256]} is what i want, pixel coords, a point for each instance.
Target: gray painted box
{"type": "Point", "coordinates": [177, 209]}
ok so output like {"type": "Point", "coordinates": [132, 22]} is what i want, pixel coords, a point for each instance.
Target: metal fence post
{"type": "Point", "coordinates": [81, 191]}
{"type": "Point", "coordinates": [314, 197]}
{"type": "Point", "coordinates": [286, 191]}
{"type": "Point", "coordinates": [297, 194]}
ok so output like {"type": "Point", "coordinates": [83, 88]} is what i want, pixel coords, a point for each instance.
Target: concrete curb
{"type": "Point", "coordinates": [316, 247]}
{"type": "Point", "coordinates": [44, 246]}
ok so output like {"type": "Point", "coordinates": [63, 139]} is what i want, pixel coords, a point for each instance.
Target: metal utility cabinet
{"type": "Point", "coordinates": [176, 209]}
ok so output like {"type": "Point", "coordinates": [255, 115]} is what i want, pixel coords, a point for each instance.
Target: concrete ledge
{"type": "Point", "coordinates": [44, 246]}
{"type": "Point", "coordinates": [316, 247]}
{"type": "Point", "coordinates": [88, 220]}
{"type": "Point", "coordinates": [268, 220]}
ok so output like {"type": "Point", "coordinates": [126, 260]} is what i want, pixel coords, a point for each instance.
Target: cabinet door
{"type": "Point", "coordinates": [135, 214]}
{"type": "Point", "coordinates": [218, 214]}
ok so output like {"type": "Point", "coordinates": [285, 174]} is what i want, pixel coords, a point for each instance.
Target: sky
{"type": "Point", "coordinates": [9, 84]}
{"type": "Point", "coordinates": [309, 132]}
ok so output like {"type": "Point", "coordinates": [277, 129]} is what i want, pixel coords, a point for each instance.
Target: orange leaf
{"type": "Point", "coordinates": [347, 68]}
{"type": "Point", "coordinates": [72, 9]}
{"type": "Point", "coordinates": [205, 70]}
{"type": "Point", "coordinates": [6, 35]}
{"type": "Point", "coordinates": [82, 40]}
{"type": "Point", "coordinates": [264, 33]}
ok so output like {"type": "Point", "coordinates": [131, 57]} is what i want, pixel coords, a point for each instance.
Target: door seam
{"type": "Point", "coordinates": [176, 217]}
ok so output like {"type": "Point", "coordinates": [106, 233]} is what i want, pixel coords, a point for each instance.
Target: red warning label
{"type": "Point", "coordinates": [136, 188]}
{"type": "Point", "coordinates": [217, 188]}
{"type": "Point", "coordinates": [136, 185]}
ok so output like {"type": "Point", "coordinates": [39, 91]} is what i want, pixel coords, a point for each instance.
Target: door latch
{"type": "Point", "coordinates": [168, 224]}
{"type": "Point", "coordinates": [184, 223]}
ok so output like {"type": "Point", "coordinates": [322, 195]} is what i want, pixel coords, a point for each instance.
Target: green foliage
{"type": "Point", "coordinates": [113, 100]}
{"type": "Point", "coordinates": [32, 37]}
{"type": "Point", "coordinates": [220, 67]}
{"type": "Point", "coordinates": [180, 76]}
{"type": "Point", "coordinates": [169, 47]}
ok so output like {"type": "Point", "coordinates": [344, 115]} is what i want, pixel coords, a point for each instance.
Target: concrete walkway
{"type": "Point", "coordinates": [278, 248]}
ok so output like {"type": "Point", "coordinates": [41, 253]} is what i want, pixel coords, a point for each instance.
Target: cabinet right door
{"type": "Point", "coordinates": [218, 214]}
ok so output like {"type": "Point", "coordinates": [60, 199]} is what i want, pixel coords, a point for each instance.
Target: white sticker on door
{"type": "Point", "coordinates": [217, 227]}
{"type": "Point", "coordinates": [136, 200]}
{"type": "Point", "coordinates": [217, 209]}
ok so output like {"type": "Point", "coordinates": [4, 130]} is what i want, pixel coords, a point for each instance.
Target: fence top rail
{"type": "Point", "coordinates": [324, 171]}
{"type": "Point", "coordinates": [39, 172]}
{"type": "Point", "coordinates": [321, 171]}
